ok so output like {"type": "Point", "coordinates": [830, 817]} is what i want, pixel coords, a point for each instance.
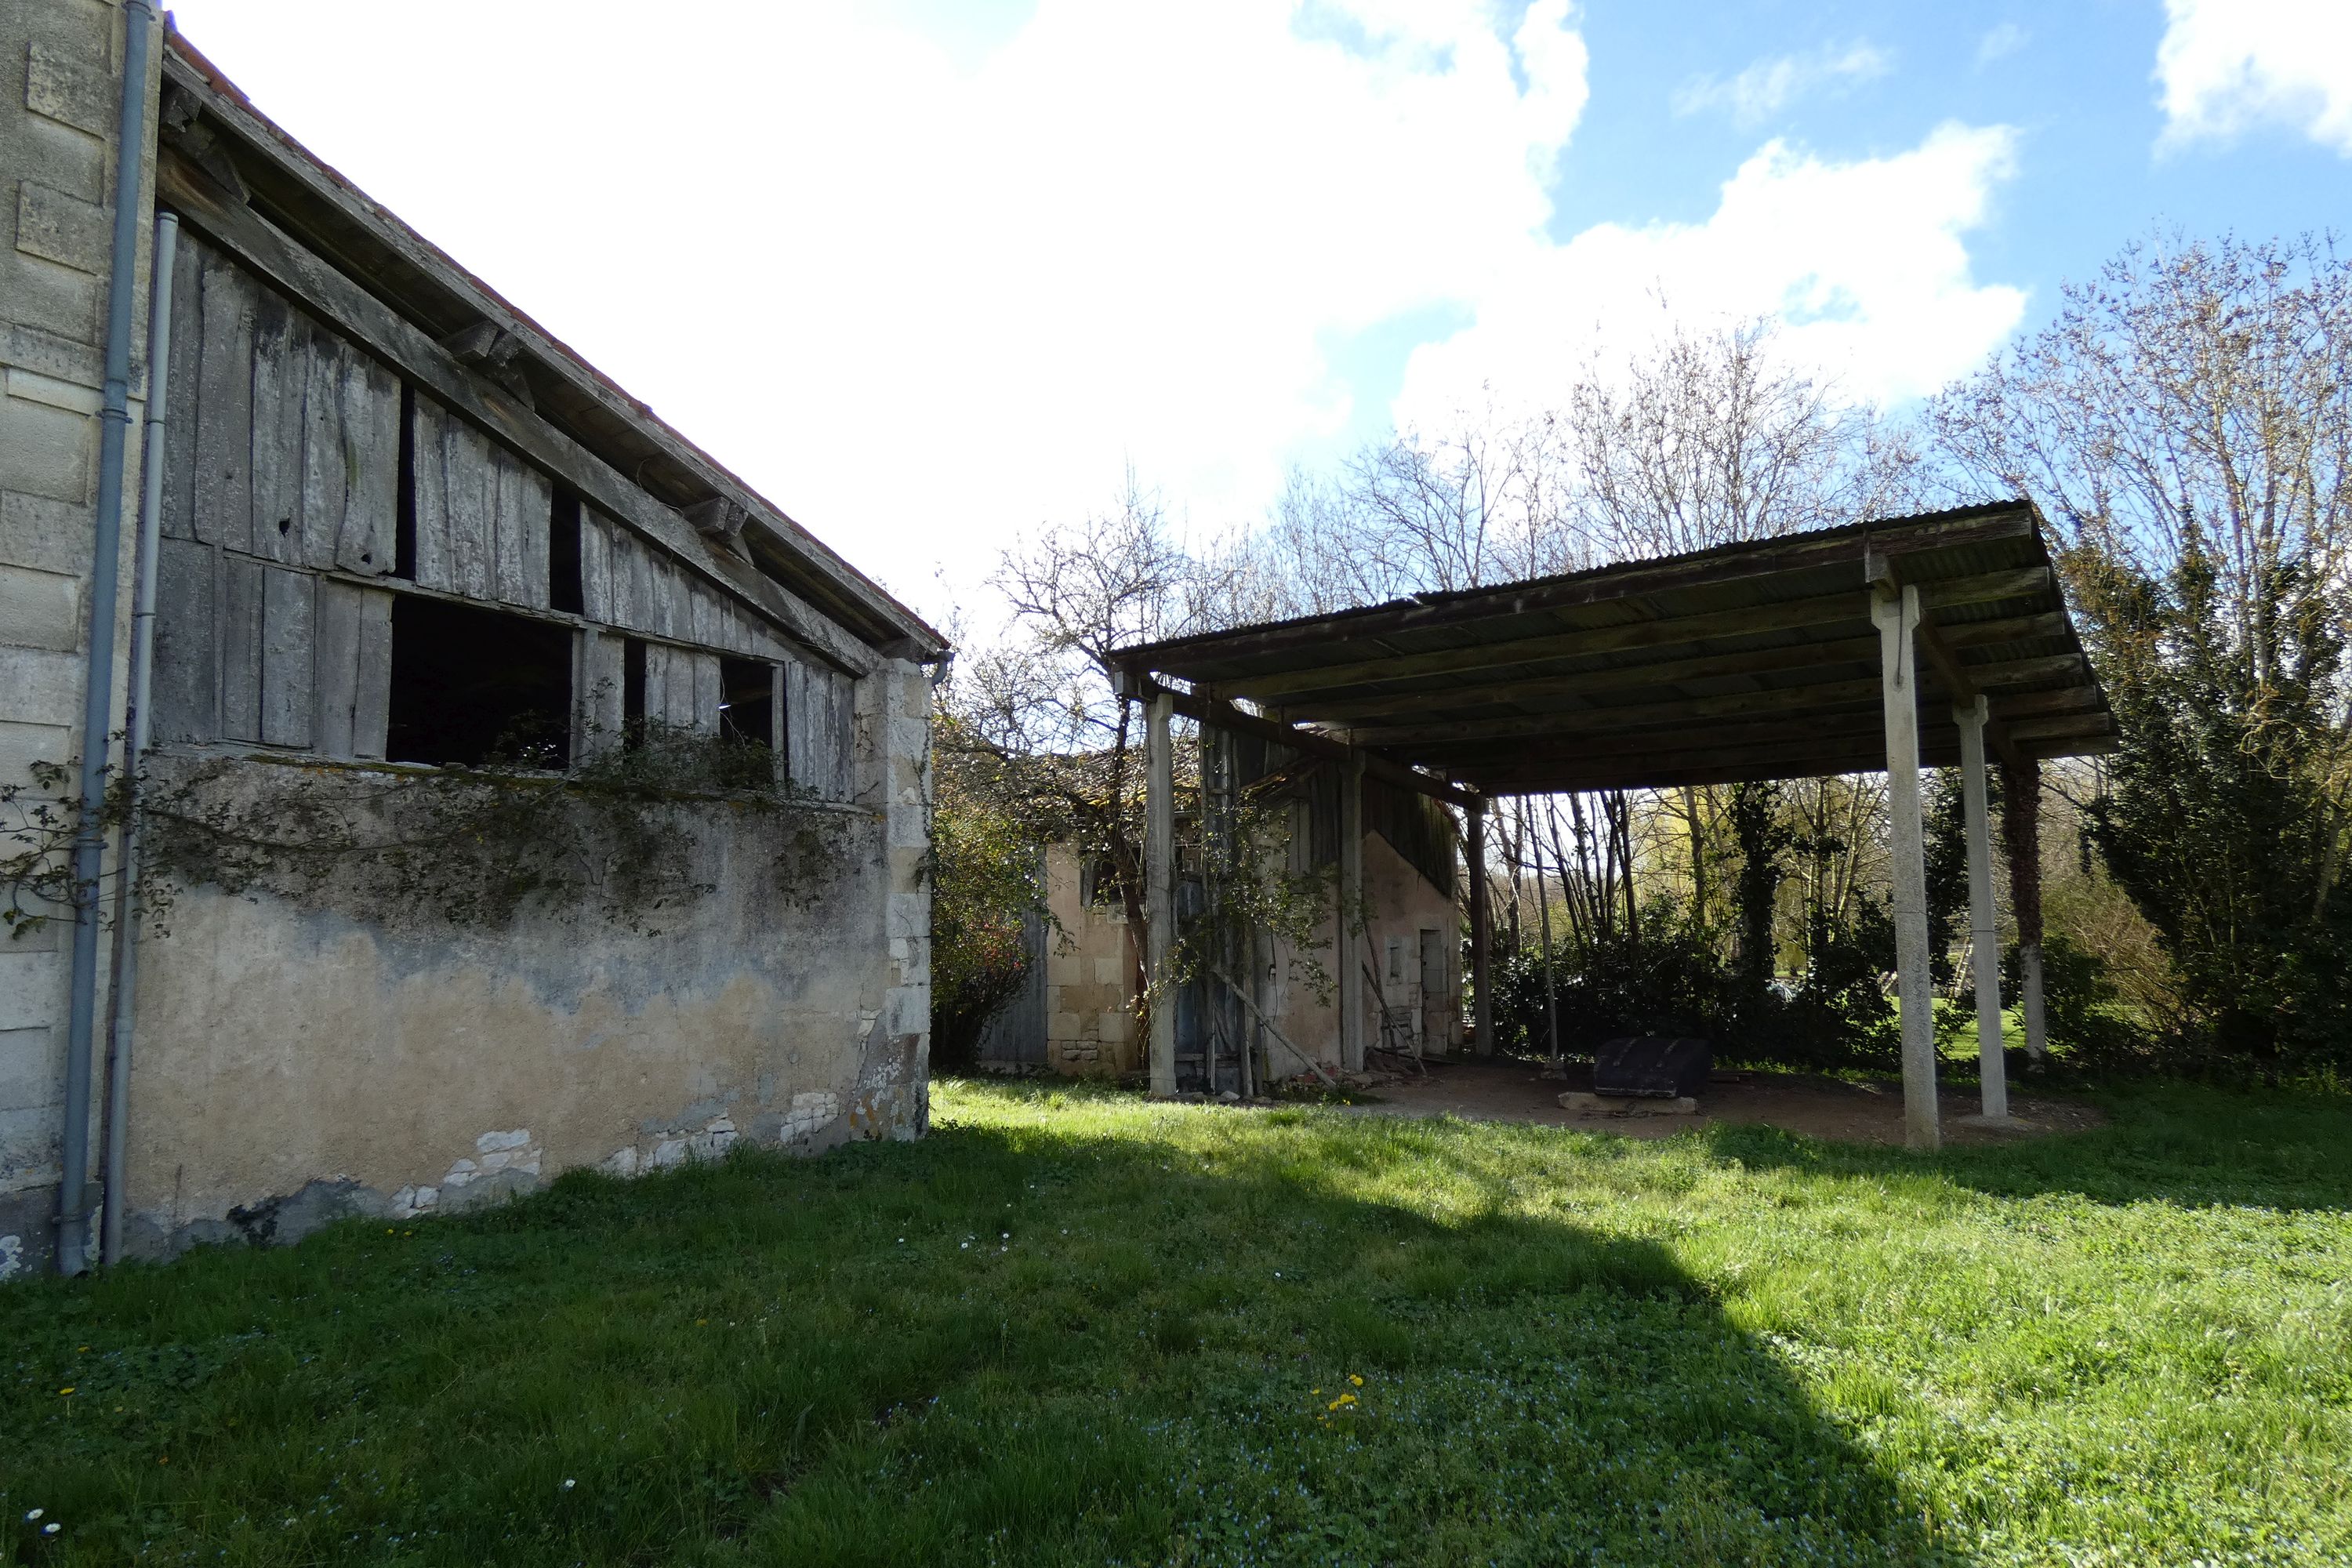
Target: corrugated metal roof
{"type": "Point", "coordinates": [1748, 660]}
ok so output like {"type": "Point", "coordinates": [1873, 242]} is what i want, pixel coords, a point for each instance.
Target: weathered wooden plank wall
{"type": "Point", "coordinates": [325, 470]}
{"type": "Point", "coordinates": [283, 461]}
{"type": "Point", "coordinates": [355, 670]}
{"type": "Point", "coordinates": [600, 681]}
{"type": "Point", "coordinates": [625, 583]}
{"type": "Point", "coordinates": [186, 695]}
{"type": "Point", "coordinates": [288, 621]}
{"type": "Point", "coordinates": [221, 510]}
{"type": "Point", "coordinates": [240, 655]}
{"type": "Point", "coordinates": [818, 735]}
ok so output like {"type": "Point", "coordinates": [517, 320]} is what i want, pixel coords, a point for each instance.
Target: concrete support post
{"type": "Point", "coordinates": [1984, 937]}
{"type": "Point", "coordinates": [1482, 931]}
{"type": "Point", "coordinates": [1159, 889]}
{"type": "Point", "coordinates": [1348, 944]}
{"type": "Point", "coordinates": [1897, 617]}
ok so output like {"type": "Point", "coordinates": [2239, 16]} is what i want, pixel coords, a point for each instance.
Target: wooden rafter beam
{"type": "Point", "coordinates": [1300, 687]}
{"type": "Point", "coordinates": [1820, 696]}
{"type": "Point", "coordinates": [1204, 709]}
{"type": "Point", "coordinates": [1383, 702]}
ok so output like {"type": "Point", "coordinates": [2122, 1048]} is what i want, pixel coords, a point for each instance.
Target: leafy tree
{"type": "Point", "coordinates": [2187, 418]}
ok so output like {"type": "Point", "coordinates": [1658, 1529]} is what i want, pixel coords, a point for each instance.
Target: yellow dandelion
{"type": "Point", "coordinates": [67, 1389]}
{"type": "Point", "coordinates": [1354, 1379]}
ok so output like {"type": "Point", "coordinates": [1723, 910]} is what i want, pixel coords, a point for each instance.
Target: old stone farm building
{"type": "Point", "coordinates": [397, 530]}
{"type": "Point", "coordinates": [1280, 1005]}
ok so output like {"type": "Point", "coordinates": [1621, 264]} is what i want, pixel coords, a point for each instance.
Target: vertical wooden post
{"type": "Point", "coordinates": [1345, 948]}
{"type": "Point", "coordinates": [1482, 931]}
{"type": "Point", "coordinates": [1984, 936]}
{"type": "Point", "coordinates": [1897, 617]}
{"type": "Point", "coordinates": [2022, 822]}
{"type": "Point", "coordinates": [1160, 888]}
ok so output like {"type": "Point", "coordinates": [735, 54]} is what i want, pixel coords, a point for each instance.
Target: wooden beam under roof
{"type": "Point", "coordinates": [1848, 748]}
{"type": "Point", "coordinates": [1779, 658]}
{"type": "Point", "coordinates": [1302, 687]}
{"type": "Point", "coordinates": [1204, 709]}
{"type": "Point", "coordinates": [1817, 695]}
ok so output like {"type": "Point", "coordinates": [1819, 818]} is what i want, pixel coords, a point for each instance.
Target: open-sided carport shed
{"type": "Point", "coordinates": [1881, 645]}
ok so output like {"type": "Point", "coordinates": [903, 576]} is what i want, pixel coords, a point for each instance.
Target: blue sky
{"type": "Point", "coordinates": [930, 272]}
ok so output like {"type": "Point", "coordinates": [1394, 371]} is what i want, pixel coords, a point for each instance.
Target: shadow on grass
{"type": "Point", "coordinates": [1008, 1343]}
{"type": "Point", "coordinates": [2170, 1142]}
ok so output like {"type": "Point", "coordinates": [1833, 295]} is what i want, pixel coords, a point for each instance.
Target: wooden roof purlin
{"type": "Point", "coordinates": [1756, 660]}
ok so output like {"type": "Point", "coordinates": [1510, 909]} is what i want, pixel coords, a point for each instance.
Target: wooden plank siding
{"type": "Point", "coordinates": [819, 733]}
{"type": "Point", "coordinates": [186, 695]}
{"type": "Point", "coordinates": [354, 669]}
{"type": "Point", "coordinates": [432, 369]}
{"type": "Point", "coordinates": [282, 512]}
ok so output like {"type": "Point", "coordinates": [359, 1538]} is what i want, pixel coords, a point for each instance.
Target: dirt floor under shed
{"type": "Point", "coordinates": [1818, 1106]}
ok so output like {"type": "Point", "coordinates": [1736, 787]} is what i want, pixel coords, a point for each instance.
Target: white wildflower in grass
{"type": "Point", "coordinates": [34, 1514]}
{"type": "Point", "coordinates": [569, 1483]}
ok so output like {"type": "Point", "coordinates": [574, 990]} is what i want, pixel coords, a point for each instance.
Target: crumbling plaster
{"type": "Point", "coordinates": [300, 1062]}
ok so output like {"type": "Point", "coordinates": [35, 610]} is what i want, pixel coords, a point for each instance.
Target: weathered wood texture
{"type": "Point", "coordinates": [284, 440]}
{"type": "Point", "coordinates": [240, 648]}
{"type": "Point", "coordinates": [625, 583]}
{"type": "Point", "coordinates": [186, 692]}
{"type": "Point", "coordinates": [353, 666]}
{"type": "Point", "coordinates": [819, 729]}
{"type": "Point", "coordinates": [289, 679]}
{"type": "Point", "coordinates": [599, 680]}
{"type": "Point", "coordinates": [482, 513]}
{"type": "Point", "coordinates": [423, 282]}
{"type": "Point", "coordinates": [283, 462]}
{"type": "Point", "coordinates": [435, 371]}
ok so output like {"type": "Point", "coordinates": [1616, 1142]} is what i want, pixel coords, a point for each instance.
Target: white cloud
{"type": "Point", "coordinates": [2227, 66]}
{"type": "Point", "coordinates": [1771, 85]}
{"type": "Point", "coordinates": [2000, 43]}
{"type": "Point", "coordinates": [925, 297]}
{"type": "Point", "coordinates": [922, 305]}
{"type": "Point", "coordinates": [1864, 263]}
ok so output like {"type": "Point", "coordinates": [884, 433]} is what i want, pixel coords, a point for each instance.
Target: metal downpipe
{"type": "Point", "coordinates": [98, 699]}
{"type": "Point", "coordinates": [138, 723]}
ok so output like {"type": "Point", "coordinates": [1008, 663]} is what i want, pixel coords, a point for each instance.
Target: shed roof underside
{"type": "Point", "coordinates": [1750, 661]}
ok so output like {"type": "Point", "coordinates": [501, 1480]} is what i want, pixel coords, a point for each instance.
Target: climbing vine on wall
{"type": "Point", "coordinates": [622, 835]}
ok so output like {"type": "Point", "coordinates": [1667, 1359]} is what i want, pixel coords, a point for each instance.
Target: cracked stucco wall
{"type": "Point", "coordinates": [297, 1065]}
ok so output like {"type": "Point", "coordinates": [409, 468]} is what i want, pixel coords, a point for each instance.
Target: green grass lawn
{"type": "Point", "coordinates": [1073, 1327]}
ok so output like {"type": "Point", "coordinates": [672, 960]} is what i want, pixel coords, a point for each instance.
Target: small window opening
{"type": "Point", "coordinates": [403, 557]}
{"type": "Point", "coordinates": [632, 692]}
{"type": "Point", "coordinates": [563, 554]}
{"type": "Point", "coordinates": [1098, 882]}
{"type": "Point", "coordinates": [473, 686]}
{"type": "Point", "coordinates": [747, 707]}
